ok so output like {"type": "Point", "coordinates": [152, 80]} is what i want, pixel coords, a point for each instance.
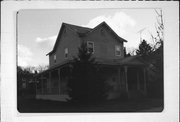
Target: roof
{"type": "Point", "coordinates": [127, 61]}
{"type": "Point", "coordinates": [83, 31]}
{"type": "Point", "coordinates": [108, 27]}
{"type": "Point", "coordinates": [55, 67]}
{"type": "Point", "coordinates": [133, 60]}
{"type": "Point", "coordinates": [78, 29]}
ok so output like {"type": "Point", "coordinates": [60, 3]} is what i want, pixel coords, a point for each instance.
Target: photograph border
{"type": "Point", "coordinates": [9, 62]}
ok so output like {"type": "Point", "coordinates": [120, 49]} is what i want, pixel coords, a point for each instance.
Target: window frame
{"type": "Point", "coordinates": [88, 47]}
{"type": "Point", "coordinates": [116, 50]}
{"type": "Point", "coordinates": [55, 58]}
{"type": "Point", "coordinates": [66, 53]}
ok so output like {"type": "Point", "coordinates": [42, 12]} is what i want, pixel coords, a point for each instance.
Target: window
{"type": "Point", "coordinates": [117, 50]}
{"type": "Point", "coordinates": [90, 47]}
{"type": "Point", "coordinates": [54, 58]}
{"type": "Point", "coordinates": [66, 52]}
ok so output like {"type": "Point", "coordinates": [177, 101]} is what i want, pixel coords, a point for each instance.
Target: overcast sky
{"type": "Point", "coordinates": [38, 29]}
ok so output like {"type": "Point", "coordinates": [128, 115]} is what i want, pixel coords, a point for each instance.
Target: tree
{"type": "Point", "coordinates": [24, 86]}
{"type": "Point", "coordinates": [159, 25]}
{"type": "Point", "coordinates": [157, 55]}
{"type": "Point", "coordinates": [144, 49]}
{"type": "Point", "coordinates": [156, 58]}
{"type": "Point", "coordinates": [125, 53]}
{"type": "Point", "coordinates": [42, 68]}
{"type": "Point", "coordinates": [86, 83]}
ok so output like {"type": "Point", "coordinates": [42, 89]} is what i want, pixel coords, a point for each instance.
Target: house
{"type": "Point", "coordinates": [123, 74]}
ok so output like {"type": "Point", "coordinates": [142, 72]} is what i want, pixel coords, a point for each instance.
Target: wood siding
{"type": "Point", "coordinates": [70, 40]}
{"type": "Point", "coordinates": [104, 44]}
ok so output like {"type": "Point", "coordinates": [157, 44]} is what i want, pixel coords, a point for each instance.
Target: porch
{"type": "Point", "coordinates": [126, 77]}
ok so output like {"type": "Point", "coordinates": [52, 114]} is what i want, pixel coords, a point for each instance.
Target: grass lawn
{"type": "Point", "coordinates": [43, 106]}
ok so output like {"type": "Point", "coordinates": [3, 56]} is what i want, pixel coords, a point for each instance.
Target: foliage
{"type": "Point", "coordinates": [156, 59]}
{"type": "Point", "coordinates": [125, 53]}
{"type": "Point", "coordinates": [159, 25]}
{"type": "Point", "coordinates": [25, 79]}
{"type": "Point", "coordinates": [144, 49]}
{"type": "Point", "coordinates": [41, 68]}
{"type": "Point", "coordinates": [154, 56]}
{"type": "Point", "coordinates": [86, 83]}
{"type": "Point", "coordinates": [25, 85]}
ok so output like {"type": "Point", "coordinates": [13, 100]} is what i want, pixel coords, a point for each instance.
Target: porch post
{"type": "Point", "coordinates": [138, 82]}
{"type": "Point", "coordinates": [145, 90]}
{"type": "Point", "coordinates": [36, 85]}
{"type": "Point", "coordinates": [126, 80]}
{"type": "Point", "coordinates": [59, 80]}
{"type": "Point", "coordinates": [49, 82]}
{"type": "Point", "coordinates": [119, 77]}
{"type": "Point", "coordinates": [42, 89]}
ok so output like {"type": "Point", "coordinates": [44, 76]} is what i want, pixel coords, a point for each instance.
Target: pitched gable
{"type": "Point", "coordinates": [84, 31]}
{"type": "Point", "coordinates": [104, 24]}
{"type": "Point", "coordinates": [77, 29]}
{"type": "Point", "coordinates": [57, 39]}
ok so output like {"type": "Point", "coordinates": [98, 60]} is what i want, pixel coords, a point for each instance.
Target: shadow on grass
{"type": "Point", "coordinates": [47, 106]}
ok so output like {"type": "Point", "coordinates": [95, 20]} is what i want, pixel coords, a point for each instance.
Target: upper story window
{"type": "Point", "coordinates": [90, 47]}
{"type": "Point", "coordinates": [54, 58]}
{"type": "Point", "coordinates": [66, 52]}
{"type": "Point", "coordinates": [118, 50]}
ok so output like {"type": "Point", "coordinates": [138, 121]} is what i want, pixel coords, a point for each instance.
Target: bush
{"type": "Point", "coordinates": [86, 83]}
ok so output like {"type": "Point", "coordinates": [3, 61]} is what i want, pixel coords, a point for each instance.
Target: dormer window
{"type": "Point", "coordinates": [117, 50]}
{"type": "Point", "coordinates": [54, 58]}
{"type": "Point", "coordinates": [90, 47]}
{"type": "Point", "coordinates": [66, 52]}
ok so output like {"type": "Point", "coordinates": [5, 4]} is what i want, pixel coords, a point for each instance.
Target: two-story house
{"type": "Point", "coordinates": [124, 74]}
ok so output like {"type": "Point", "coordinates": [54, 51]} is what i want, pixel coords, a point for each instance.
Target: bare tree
{"type": "Point", "coordinates": [159, 25]}
{"type": "Point", "coordinates": [42, 68]}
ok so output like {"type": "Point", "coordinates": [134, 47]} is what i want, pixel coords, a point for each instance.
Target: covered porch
{"type": "Point", "coordinates": [126, 76]}
{"type": "Point", "coordinates": [52, 83]}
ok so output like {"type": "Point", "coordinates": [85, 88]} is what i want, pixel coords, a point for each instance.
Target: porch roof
{"type": "Point", "coordinates": [55, 67]}
{"type": "Point", "coordinates": [127, 61]}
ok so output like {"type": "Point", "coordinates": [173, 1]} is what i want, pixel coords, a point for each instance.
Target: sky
{"type": "Point", "coordinates": [38, 29]}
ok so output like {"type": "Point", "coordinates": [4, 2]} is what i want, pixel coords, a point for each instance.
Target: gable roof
{"type": "Point", "coordinates": [83, 31]}
{"type": "Point", "coordinates": [109, 28]}
{"type": "Point", "coordinates": [75, 28]}
{"type": "Point", "coordinates": [78, 29]}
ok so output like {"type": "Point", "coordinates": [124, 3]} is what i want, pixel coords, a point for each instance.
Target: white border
{"type": "Point", "coordinates": [8, 68]}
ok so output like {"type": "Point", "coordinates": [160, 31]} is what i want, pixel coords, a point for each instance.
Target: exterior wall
{"type": "Point", "coordinates": [104, 44]}
{"type": "Point", "coordinates": [69, 40]}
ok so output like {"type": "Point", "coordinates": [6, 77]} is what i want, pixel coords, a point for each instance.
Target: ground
{"type": "Point", "coordinates": [43, 106]}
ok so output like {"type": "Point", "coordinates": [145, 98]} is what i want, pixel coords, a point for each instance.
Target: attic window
{"type": "Point", "coordinates": [66, 52]}
{"type": "Point", "coordinates": [90, 47]}
{"type": "Point", "coordinates": [117, 50]}
{"type": "Point", "coordinates": [54, 58]}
